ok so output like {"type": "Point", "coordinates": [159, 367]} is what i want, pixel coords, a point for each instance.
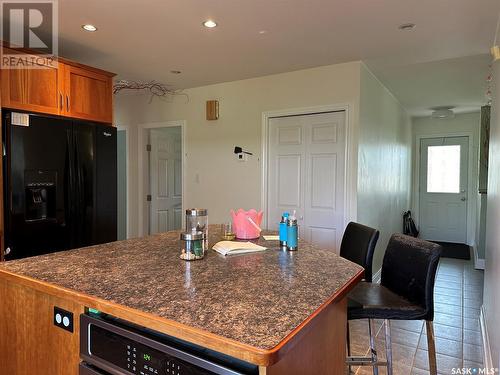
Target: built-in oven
{"type": "Point", "coordinates": [111, 346]}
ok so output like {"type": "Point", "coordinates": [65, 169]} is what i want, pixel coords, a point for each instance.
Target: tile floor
{"type": "Point", "coordinates": [458, 295]}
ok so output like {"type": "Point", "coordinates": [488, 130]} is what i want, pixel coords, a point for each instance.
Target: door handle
{"type": "Point", "coordinates": [61, 104]}
{"type": "Point", "coordinates": [463, 199]}
{"type": "Point", "coordinates": [67, 103]}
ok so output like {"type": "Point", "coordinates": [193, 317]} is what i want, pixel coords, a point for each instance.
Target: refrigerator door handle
{"type": "Point", "coordinates": [69, 183]}
{"type": "Point", "coordinates": [79, 192]}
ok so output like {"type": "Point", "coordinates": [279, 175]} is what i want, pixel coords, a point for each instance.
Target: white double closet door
{"type": "Point", "coordinates": [306, 173]}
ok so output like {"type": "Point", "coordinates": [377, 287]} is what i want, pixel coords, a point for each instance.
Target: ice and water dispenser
{"type": "Point", "coordinates": [40, 195]}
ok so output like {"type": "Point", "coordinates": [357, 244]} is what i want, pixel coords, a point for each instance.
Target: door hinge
{"type": "Point", "coordinates": [149, 198]}
{"type": "Point", "coordinates": [148, 148]}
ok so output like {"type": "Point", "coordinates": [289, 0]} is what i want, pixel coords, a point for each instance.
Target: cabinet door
{"type": "Point", "coordinates": [88, 94]}
{"type": "Point", "coordinates": [33, 89]}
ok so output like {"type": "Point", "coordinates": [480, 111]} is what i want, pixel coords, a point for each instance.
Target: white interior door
{"type": "Point", "coordinates": [306, 173]}
{"type": "Point", "coordinates": [166, 179]}
{"type": "Point", "coordinates": [443, 189]}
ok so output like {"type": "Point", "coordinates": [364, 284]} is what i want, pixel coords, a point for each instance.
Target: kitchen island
{"type": "Point", "coordinates": [282, 311]}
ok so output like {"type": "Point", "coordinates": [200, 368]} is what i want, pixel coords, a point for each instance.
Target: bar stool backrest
{"type": "Point", "coordinates": [358, 246]}
{"type": "Point", "coordinates": [409, 269]}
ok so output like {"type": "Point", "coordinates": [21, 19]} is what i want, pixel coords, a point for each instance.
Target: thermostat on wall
{"type": "Point", "coordinates": [242, 157]}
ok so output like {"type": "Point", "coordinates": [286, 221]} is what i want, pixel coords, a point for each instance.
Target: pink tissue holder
{"type": "Point", "coordinates": [242, 227]}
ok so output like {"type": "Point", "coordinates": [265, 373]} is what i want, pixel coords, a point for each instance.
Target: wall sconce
{"type": "Point", "coordinates": [212, 109]}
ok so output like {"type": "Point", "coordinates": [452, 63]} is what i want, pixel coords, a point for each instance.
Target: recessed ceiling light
{"type": "Point", "coordinates": [263, 32]}
{"type": "Point", "coordinates": [175, 72]}
{"type": "Point", "coordinates": [210, 24]}
{"type": "Point", "coordinates": [406, 26]}
{"type": "Point", "coordinates": [89, 27]}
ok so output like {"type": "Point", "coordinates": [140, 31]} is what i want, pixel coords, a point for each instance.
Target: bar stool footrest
{"type": "Point", "coordinates": [364, 361]}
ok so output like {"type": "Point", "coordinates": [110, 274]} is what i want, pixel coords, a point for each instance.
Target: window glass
{"type": "Point", "coordinates": [443, 169]}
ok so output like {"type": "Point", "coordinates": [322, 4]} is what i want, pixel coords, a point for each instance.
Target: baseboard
{"type": "Point", "coordinates": [488, 362]}
{"type": "Point", "coordinates": [478, 262]}
{"type": "Point", "coordinates": [377, 276]}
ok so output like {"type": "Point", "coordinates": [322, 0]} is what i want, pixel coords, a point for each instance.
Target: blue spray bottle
{"type": "Point", "coordinates": [283, 230]}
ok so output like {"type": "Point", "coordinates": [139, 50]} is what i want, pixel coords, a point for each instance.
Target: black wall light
{"type": "Point", "coordinates": [239, 150]}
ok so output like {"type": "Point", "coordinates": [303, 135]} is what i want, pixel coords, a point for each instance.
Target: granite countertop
{"type": "Point", "coordinates": [256, 299]}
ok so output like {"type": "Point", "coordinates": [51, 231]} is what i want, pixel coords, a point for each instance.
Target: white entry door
{"type": "Point", "coordinates": [443, 189]}
{"type": "Point", "coordinates": [166, 179]}
{"type": "Point", "coordinates": [306, 173]}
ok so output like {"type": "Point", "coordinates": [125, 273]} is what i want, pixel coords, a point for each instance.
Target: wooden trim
{"type": "Point", "coordinates": [485, 338]}
{"type": "Point", "coordinates": [206, 339]}
{"type": "Point", "coordinates": [86, 67]}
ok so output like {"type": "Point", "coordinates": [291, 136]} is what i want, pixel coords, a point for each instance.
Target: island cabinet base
{"type": "Point", "coordinates": [319, 347]}
{"type": "Point", "coordinates": [30, 343]}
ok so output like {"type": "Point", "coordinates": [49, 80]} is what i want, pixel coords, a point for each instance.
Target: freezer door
{"type": "Point", "coordinates": [106, 179]}
{"type": "Point", "coordinates": [37, 204]}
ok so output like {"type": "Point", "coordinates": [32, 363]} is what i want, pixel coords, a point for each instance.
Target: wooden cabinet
{"type": "Point", "coordinates": [30, 343]}
{"type": "Point", "coordinates": [36, 89]}
{"type": "Point", "coordinates": [88, 94]}
{"type": "Point", "coordinates": [68, 89]}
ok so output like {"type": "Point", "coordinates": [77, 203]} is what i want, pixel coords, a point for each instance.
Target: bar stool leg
{"type": "Point", "coordinates": [373, 351]}
{"type": "Point", "coordinates": [431, 346]}
{"type": "Point", "coordinates": [388, 346]}
{"type": "Point", "coordinates": [348, 344]}
{"type": "Point", "coordinates": [348, 340]}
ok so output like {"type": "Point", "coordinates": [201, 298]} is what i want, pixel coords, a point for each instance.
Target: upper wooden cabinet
{"type": "Point", "coordinates": [70, 89]}
{"type": "Point", "coordinates": [36, 90]}
{"type": "Point", "coordinates": [88, 94]}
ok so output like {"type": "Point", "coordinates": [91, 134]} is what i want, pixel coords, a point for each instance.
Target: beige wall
{"type": "Point", "coordinates": [214, 179]}
{"type": "Point", "coordinates": [462, 124]}
{"type": "Point", "coordinates": [384, 159]}
{"type": "Point", "coordinates": [491, 300]}
{"type": "Point", "coordinates": [217, 181]}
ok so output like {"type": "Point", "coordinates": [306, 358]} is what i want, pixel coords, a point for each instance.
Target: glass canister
{"type": "Point", "coordinates": [191, 245]}
{"type": "Point", "coordinates": [197, 221]}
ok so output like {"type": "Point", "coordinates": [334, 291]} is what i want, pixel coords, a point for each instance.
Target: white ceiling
{"type": "Point", "coordinates": [145, 40]}
{"type": "Point", "coordinates": [459, 82]}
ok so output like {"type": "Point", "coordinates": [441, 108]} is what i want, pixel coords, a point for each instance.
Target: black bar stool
{"type": "Point", "coordinates": [406, 292]}
{"type": "Point", "coordinates": [358, 246]}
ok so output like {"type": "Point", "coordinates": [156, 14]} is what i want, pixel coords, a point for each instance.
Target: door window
{"type": "Point", "coordinates": [443, 169]}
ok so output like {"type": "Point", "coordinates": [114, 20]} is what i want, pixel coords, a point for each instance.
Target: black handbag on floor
{"type": "Point", "coordinates": [409, 227]}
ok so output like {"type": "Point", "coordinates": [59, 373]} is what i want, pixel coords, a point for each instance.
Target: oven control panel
{"type": "Point", "coordinates": [118, 348]}
{"type": "Point", "coordinates": [137, 358]}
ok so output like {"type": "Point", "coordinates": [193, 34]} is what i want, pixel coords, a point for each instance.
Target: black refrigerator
{"type": "Point", "coordinates": [59, 184]}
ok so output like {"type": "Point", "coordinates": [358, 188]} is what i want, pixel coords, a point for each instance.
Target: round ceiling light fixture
{"type": "Point", "coordinates": [210, 24]}
{"type": "Point", "coordinates": [89, 27]}
{"type": "Point", "coordinates": [406, 26]}
{"type": "Point", "coordinates": [443, 112]}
